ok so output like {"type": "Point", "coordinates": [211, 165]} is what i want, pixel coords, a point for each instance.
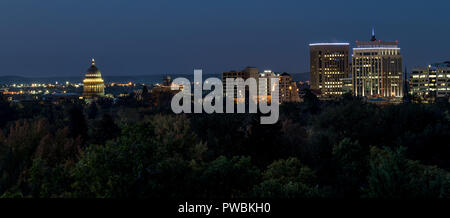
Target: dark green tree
{"type": "Point", "coordinates": [92, 111]}
{"type": "Point", "coordinates": [104, 129]}
{"type": "Point", "coordinates": [77, 122]}
{"type": "Point", "coordinates": [288, 179]}
{"type": "Point", "coordinates": [393, 176]}
{"type": "Point", "coordinates": [352, 167]}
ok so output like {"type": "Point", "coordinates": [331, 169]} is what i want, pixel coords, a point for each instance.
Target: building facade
{"type": "Point", "coordinates": [347, 85]}
{"type": "Point", "coordinates": [94, 85]}
{"type": "Point", "coordinates": [430, 82]}
{"type": "Point", "coordinates": [248, 72]}
{"type": "Point", "coordinates": [266, 87]}
{"type": "Point", "coordinates": [288, 89]}
{"type": "Point", "coordinates": [329, 63]}
{"type": "Point", "coordinates": [377, 69]}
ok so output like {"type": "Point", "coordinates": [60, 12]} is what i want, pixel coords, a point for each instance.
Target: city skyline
{"type": "Point", "coordinates": [225, 107]}
{"type": "Point", "coordinates": [57, 38]}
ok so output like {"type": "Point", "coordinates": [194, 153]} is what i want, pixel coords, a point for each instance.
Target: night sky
{"type": "Point", "coordinates": [58, 37]}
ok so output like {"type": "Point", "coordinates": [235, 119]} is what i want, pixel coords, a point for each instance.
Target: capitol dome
{"type": "Point", "coordinates": [94, 85]}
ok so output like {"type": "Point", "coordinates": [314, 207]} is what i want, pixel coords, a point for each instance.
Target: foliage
{"type": "Point", "coordinates": [392, 175]}
{"type": "Point", "coordinates": [287, 179]}
{"type": "Point", "coordinates": [137, 148]}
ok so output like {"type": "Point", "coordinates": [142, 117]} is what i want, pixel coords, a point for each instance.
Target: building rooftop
{"type": "Point", "coordinates": [381, 47]}
{"type": "Point", "coordinates": [93, 71]}
{"type": "Point", "coordinates": [329, 44]}
{"type": "Point", "coordinates": [374, 43]}
{"type": "Point", "coordinates": [442, 64]}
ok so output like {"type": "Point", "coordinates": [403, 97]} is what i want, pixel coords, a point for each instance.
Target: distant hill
{"type": "Point", "coordinates": [13, 79]}
{"type": "Point", "coordinates": [147, 79]}
{"type": "Point", "coordinates": [300, 76]}
{"type": "Point", "coordinates": [21, 79]}
{"type": "Point", "coordinates": [79, 79]}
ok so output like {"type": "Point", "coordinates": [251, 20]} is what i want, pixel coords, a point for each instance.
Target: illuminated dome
{"type": "Point", "coordinates": [94, 85]}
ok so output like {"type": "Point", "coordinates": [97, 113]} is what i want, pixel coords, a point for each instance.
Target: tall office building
{"type": "Point", "coordinates": [377, 69]}
{"type": "Point", "coordinates": [329, 64]}
{"type": "Point", "coordinates": [431, 82]}
{"type": "Point", "coordinates": [93, 83]}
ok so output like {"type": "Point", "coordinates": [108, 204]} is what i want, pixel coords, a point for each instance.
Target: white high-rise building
{"type": "Point", "coordinates": [377, 69]}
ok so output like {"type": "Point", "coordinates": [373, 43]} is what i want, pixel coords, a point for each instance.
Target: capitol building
{"type": "Point", "coordinates": [94, 86]}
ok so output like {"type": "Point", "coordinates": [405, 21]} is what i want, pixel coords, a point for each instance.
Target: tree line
{"type": "Point", "coordinates": [140, 149]}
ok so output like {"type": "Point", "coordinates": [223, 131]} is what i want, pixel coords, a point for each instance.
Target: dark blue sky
{"type": "Point", "coordinates": [57, 37]}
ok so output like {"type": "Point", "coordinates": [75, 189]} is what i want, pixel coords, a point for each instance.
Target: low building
{"type": "Point", "coordinates": [266, 88]}
{"type": "Point", "coordinates": [430, 82]}
{"type": "Point", "coordinates": [288, 89]}
{"type": "Point", "coordinates": [347, 85]}
{"type": "Point", "coordinates": [60, 98]}
{"type": "Point", "coordinates": [248, 72]}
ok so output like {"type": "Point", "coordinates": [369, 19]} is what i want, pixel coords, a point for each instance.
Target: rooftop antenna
{"type": "Point", "coordinates": [373, 35]}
